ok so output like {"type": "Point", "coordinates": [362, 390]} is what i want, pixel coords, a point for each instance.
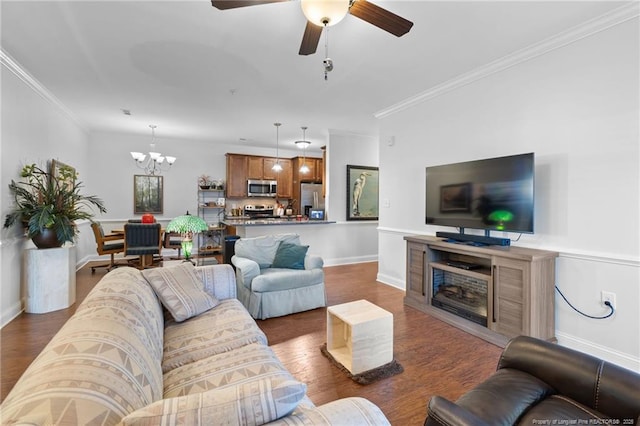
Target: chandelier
{"type": "Point", "coordinates": [303, 144]}
{"type": "Point", "coordinates": [154, 164]}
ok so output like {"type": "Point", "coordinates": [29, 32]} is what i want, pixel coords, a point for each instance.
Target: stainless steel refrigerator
{"type": "Point", "coordinates": [311, 197]}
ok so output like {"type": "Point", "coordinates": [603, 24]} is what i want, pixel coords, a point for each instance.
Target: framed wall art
{"type": "Point", "coordinates": [60, 170]}
{"type": "Point", "coordinates": [362, 192]}
{"type": "Point", "coordinates": [147, 194]}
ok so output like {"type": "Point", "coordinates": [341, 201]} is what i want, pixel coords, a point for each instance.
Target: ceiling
{"type": "Point", "coordinates": [200, 73]}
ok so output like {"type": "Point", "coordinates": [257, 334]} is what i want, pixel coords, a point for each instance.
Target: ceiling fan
{"type": "Point", "coordinates": [321, 13]}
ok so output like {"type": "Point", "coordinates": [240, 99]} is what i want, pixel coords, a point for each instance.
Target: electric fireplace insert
{"type": "Point", "coordinates": [461, 295]}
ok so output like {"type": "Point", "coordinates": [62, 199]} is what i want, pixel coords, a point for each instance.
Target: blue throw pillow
{"type": "Point", "coordinates": [290, 256]}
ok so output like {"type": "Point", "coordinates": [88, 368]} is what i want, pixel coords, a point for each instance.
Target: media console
{"type": "Point", "coordinates": [493, 292]}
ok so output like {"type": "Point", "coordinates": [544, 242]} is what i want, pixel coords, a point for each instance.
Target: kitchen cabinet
{"type": "Point", "coordinates": [261, 168]}
{"type": "Point", "coordinates": [315, 173]}
{"type": "Point", "coordinates": [284, 179]}
{"type": "Point", "coordinates": [518, 295]}
{"type": "Point", "coordinates": [241, 167]}
{"type": "Point", "coordinates": [237, 166]}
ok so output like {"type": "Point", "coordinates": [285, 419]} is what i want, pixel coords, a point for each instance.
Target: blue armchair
{"type": "Point", "coordinates": [271, 282]}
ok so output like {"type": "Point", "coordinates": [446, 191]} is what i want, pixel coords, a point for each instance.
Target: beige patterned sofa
{"type": "Point", "coordinates": [167, 346]}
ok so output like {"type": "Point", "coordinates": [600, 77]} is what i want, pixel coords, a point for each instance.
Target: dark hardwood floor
{"type": "Point", "coordinates": [438, 359]}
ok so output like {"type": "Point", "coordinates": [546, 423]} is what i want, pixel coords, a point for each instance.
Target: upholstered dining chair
{"type": "Point", "coordinates": [173, 240]}
{"type": "Point", "coordinates": [143, 240]}
{"type": "Point", "coordinates": [110, 244]}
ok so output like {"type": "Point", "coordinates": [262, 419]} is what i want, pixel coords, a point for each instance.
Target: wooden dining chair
{"type": "Point", "coordinates": [110, 244]}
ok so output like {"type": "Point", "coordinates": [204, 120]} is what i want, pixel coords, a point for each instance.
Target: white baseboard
{"type": "Point", "coordinates": [350, 260]}
{"type": "Point", "coordinates": [391, 281]}
{"type": "Point", "coordinates": [15, 310]}
{"type": "Point", "coordinates": [615, 357]}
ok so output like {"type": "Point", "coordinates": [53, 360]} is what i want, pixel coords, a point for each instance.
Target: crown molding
{"type": "Point", "coordinates": [31, 82]}
{"type": "Point", "coordinates": [586, 29]}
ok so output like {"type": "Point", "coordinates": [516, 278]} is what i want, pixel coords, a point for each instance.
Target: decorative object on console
{"type": "Point", "coordinates": [48, 203]}
{"type": "Point", "coordinates": [277, 167]}
{"type": "Point", "coordinates": [187, 225]}
{"type": "Point", "coordinates": [204, 181]}
{"type": "Point", "coordinates": [147, 194]}
{"type": "Point", "coordinates": [303, 145]}
{"type": "Point", "coordinates": [362, 193]}
{"type": "Point", "coordinates": [148, 218]}
{"type": "Point", "coordinates": [155, 161]}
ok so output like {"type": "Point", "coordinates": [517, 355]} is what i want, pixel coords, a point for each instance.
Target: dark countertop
{"type": "Point", "coordinates": [281, 221]}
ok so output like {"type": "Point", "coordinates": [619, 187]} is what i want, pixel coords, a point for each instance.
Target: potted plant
{"type": "Point", "coordinates": [48, 205]}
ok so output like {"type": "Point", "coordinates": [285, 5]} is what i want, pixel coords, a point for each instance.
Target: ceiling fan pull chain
{"type": "Point", "coordinates": [328, 63]}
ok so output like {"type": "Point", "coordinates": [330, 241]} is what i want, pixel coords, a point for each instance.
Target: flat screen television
{"type": "Point", "coordinates": [489, 194]}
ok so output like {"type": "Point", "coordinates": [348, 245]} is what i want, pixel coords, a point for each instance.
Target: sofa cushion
{"type": "Point", "coordinates": [490, 402]}
{"type": "Point", "coordinates": [252, 403]}
{"type": "Point", "coordinates": [562, 410]}
{"type": "Point", "coordinates": [181, 290]}
{"type": "Point", "coordinates": [263, 249]}
{"type": "Point", "coordinates": [241, 365]}
{"type": "Point", "coordinates": [290, 256]}
{"type": "Point", "coordinates": [278, 279]}
{"type": "Point", "coordinates": [346, 411]}
{"type": "Point", "coordinates": [227, 326]}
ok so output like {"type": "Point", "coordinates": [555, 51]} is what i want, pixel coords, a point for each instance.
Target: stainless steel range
{"type": "Point", "coordinates": [255, 211]}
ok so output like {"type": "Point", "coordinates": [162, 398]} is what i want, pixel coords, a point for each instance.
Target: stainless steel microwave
{"type": "Point", "coordinates": [262, 188]}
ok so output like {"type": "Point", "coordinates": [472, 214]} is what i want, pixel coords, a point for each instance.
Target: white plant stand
{"type": "Point", "coordinates": [49, 279]}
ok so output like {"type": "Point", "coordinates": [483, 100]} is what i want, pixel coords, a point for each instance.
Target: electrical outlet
{"type": "Point", "coordinates": [610, 297]}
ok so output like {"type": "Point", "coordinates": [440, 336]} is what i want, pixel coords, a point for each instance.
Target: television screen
{"type": "Point", "coordinates": [490, 194]}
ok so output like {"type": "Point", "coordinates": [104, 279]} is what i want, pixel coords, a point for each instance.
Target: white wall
{"type": "Point", "coordinates": [112, 175]}
{"type": "Point", "coordinates": [577, 108]}
{"type": "Point", "coordinates": [34, 130]}
{"type": "Point", "coordinates": [36, 127]}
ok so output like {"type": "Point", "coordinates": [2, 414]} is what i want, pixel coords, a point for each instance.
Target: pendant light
{"type": "Point", "coordinates": [277, 167]}
{"type": "Point", "coordinates": [303, 144]}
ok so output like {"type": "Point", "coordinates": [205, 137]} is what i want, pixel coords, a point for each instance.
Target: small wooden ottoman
{"type": "Point", "coordinates": [360, 335]}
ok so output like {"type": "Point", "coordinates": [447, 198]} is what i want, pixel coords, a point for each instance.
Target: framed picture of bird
{"type": "Point", "coordinates": [362, 192]}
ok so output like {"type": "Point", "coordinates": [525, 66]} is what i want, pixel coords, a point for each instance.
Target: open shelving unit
{"type": "Point", "coordinates": [211, 205]}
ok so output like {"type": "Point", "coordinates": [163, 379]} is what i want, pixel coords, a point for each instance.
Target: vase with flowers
{"type": "Point", "coordinates": [48, 203]}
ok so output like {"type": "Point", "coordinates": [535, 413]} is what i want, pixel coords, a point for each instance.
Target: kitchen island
{"type": "Point", "coordinates": [273, 221]}
{"type": "Point", "coordinates": [255, 227]}
{"type": "Point", "coordinates": [339, 243]}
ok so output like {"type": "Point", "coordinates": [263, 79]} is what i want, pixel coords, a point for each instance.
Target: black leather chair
{"type": "Point", "coordinates": [143, 240]}
{"type": "Point", "coordinates": [538, 381]}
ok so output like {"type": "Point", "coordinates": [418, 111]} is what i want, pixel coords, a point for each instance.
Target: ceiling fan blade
{"type": "Point", "coordinates": [380, 17]}
{"type": "Point", "coordinates": [310, 39]}
{"type": "Point", "coordinates": [233, 4]}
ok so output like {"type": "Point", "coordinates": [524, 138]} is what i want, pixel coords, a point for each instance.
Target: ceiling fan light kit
{"type": "Point", "coordinates": [325, 12]}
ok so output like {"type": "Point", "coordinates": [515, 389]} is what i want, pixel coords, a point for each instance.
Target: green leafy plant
{"type": "Point", "coordinates": [47, 201]}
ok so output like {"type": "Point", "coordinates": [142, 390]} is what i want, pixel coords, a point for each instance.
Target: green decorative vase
{"type": "Point", "coordinates": [46, 239]}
